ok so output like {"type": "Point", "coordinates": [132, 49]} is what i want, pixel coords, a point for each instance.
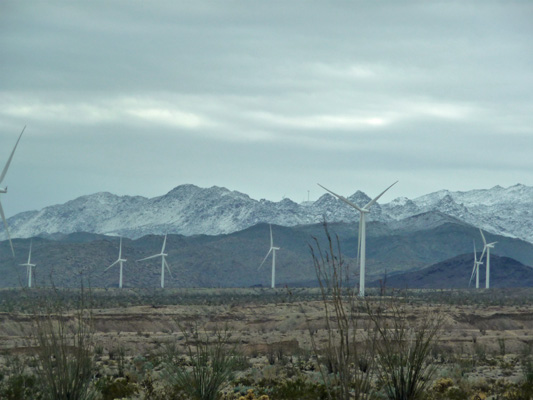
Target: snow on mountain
{"type": "Point", "coordinates": [504, 211]}
{"type": "Point", "coordinates": [190, 210]}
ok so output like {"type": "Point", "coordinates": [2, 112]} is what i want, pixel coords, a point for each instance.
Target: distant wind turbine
{"type": "Point", "coordinates": [487, 247]}
{"type": "Point", "coordinates": [119, 261]}
{"type": "Point", "coordinates": [362, 231]}
{"type": "Point", "coordinates": [273, 251]}
{"type": "Point", "coordinates": [163, 262]}
{"type": "Point", "coordinates": [477, 263]}
{"type": "Point", "coordinates": [29, 266]}
{"type": "Point", "coordinates": [4, 190]}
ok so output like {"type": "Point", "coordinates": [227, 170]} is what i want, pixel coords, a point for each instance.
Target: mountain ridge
{"type": "Point", "coordinates": [232, 260]}
{"type": "Point", "coordinates": [190, 210]}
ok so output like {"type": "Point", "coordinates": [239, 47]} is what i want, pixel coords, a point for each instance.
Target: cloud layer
{"type": "Point", "coordinates": [265, 98]}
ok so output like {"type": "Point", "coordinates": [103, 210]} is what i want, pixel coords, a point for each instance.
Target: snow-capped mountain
{"type": "Point", "coordinates": [504, 211]}
{"type": "Point", "coordinates": [190, 210]}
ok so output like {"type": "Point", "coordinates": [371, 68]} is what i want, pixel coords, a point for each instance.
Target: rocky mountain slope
{"type": "Point", "coordinates": [455, 273]}
{"type": "Point", "coordinates": [190, 210]}
{"type": "Point", "coordinates": [232, 260]}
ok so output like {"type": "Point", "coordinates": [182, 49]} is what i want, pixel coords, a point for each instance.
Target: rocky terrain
{"type": "Point", "coordinates": [190, 210]}
{"type": "Point", "coordinates": [233, 260]}
{"type": "Point", "coordinates": [482, 348]}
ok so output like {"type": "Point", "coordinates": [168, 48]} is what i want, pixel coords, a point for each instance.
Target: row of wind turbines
{"type": "Point", "coordinates": [120, 261]}
{"type": "Point", "coordinates": [361, 247]}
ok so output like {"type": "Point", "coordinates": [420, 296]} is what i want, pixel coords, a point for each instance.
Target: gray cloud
{"type": "Point", "coordinates": [265, 98]}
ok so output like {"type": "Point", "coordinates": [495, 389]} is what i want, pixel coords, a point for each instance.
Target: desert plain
{"type": "Point", "coordinates": [483, 345]}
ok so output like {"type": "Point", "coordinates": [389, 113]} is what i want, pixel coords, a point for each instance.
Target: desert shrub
{"type": "Point", "coordinates": [64, 353]}
{"type": "Point", "coordinates": [447, 389]}
{"type": "Point", "coordinates": [212, 362]}
{"type": "Point", "coordinates": [347, 360]}
{"type": "Point", "coordinates": [524, 389]}
{"type": "Point", "coordinates": [250, 395]}
{"type": "Point", "coordinates": [299, 388]}
{"type": "Point", "coordinates": [116, 388]}
{"type": "Point", "coordinates": [19, 387]}
{"type": "Point", "coordinates": [404, 348]}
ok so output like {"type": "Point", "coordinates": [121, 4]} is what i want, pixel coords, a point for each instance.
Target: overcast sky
{"type": "Point", "coordinates": [264, 97]}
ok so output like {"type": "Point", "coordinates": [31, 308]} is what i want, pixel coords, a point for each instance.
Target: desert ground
{"type": "Point", "coordinates": [482, 348]}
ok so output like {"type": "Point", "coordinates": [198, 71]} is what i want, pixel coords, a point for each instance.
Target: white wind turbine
{"type": "Point", "coordinates": [477, 263]}
{"type": "Point", "coordinates": [487, 247]}
{"type": "Point", "coordinates": [362, 231]}
{"type": "Point", "coordinates": [273, 251]}
{"type": "Point", "coordinates": [163, 262]}
{"type": "Point", "coordinates": [120, 261]}
{"type": "Point", "coordinates": [4, 190]}
{"type": "Point", "coordinates": [29, 266]}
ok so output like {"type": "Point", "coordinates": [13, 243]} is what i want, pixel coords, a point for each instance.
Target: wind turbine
{"type": "Point", "coordinates": [273, 251]}
{"type": "Point", "coordinates": [477, 263]}
{"type": "Point", "coordinates": [362, 231]}
{"type": "Point", "coordinates": [487, 247]}
{"type": "Point", "coordinates": [4, 190]}
{"type": "Point", "coordinates": [163, 262]}
{"type": "Point", "coordinates": [120, 260]}
{"type": "Point", "coordinates": [29, 266]}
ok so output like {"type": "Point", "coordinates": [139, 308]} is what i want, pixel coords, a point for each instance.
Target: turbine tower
{"type": "Point", "coordinates": [4, 190]}
{"type": "Point", "coordinates": [163, 262]}
{"type": "Point", "coordinates": [362, 231]}
{"type": "Point", "coordinates": [273, 251]}
{"type": "Point", "coordinates": [29, 266]}
{"type": "Point", "coordinates": [477, 263]}
{"type": "Point", "coordinates": [120, 261]}
{"type": "Point", "coordinates": [487, 247]}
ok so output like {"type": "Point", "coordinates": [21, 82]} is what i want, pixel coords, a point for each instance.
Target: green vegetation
{"type": "Point", "coordinates": [210, 365]}
{"type": "Point", "coordinates": [64, 356]}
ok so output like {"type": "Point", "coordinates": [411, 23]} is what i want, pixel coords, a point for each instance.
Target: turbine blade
{"type": "Point", "coordinates": [492, 243]}
{"type": "Point", "coordinates": [120, 249]}
{"type": "Point", "coordinates": [475, 252]}
{"type": "Point", "coordinates": [342, 198]}
{"type": "Point", "coordinates": [4, 172]}
{"type": "Point", "coordinates": [483, 237]}
{"type": "Point", "coordinates": [371, 202]}
{"type": "Point", "coordinates": [473, 273]}
{"type": "Point", "coordinates": [115, 263]}
{"type": "Point", "coordinates": [482, 254]}
{"type": "Point", "coordinates": [168, 268]}
{"type": "Point", "coordinates": [271, 237]}
{"type": "Point", "coordinates": [147, 258]}
{"type": "Point", "coordinates": [7, 229]}
{"type": "Point", "coordinates": [164, 244]}
{"type": "Point", "coordinates": [264, 259]}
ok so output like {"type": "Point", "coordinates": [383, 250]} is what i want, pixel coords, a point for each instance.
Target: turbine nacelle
{"type": "Point", "coordinates": [27, 265]}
